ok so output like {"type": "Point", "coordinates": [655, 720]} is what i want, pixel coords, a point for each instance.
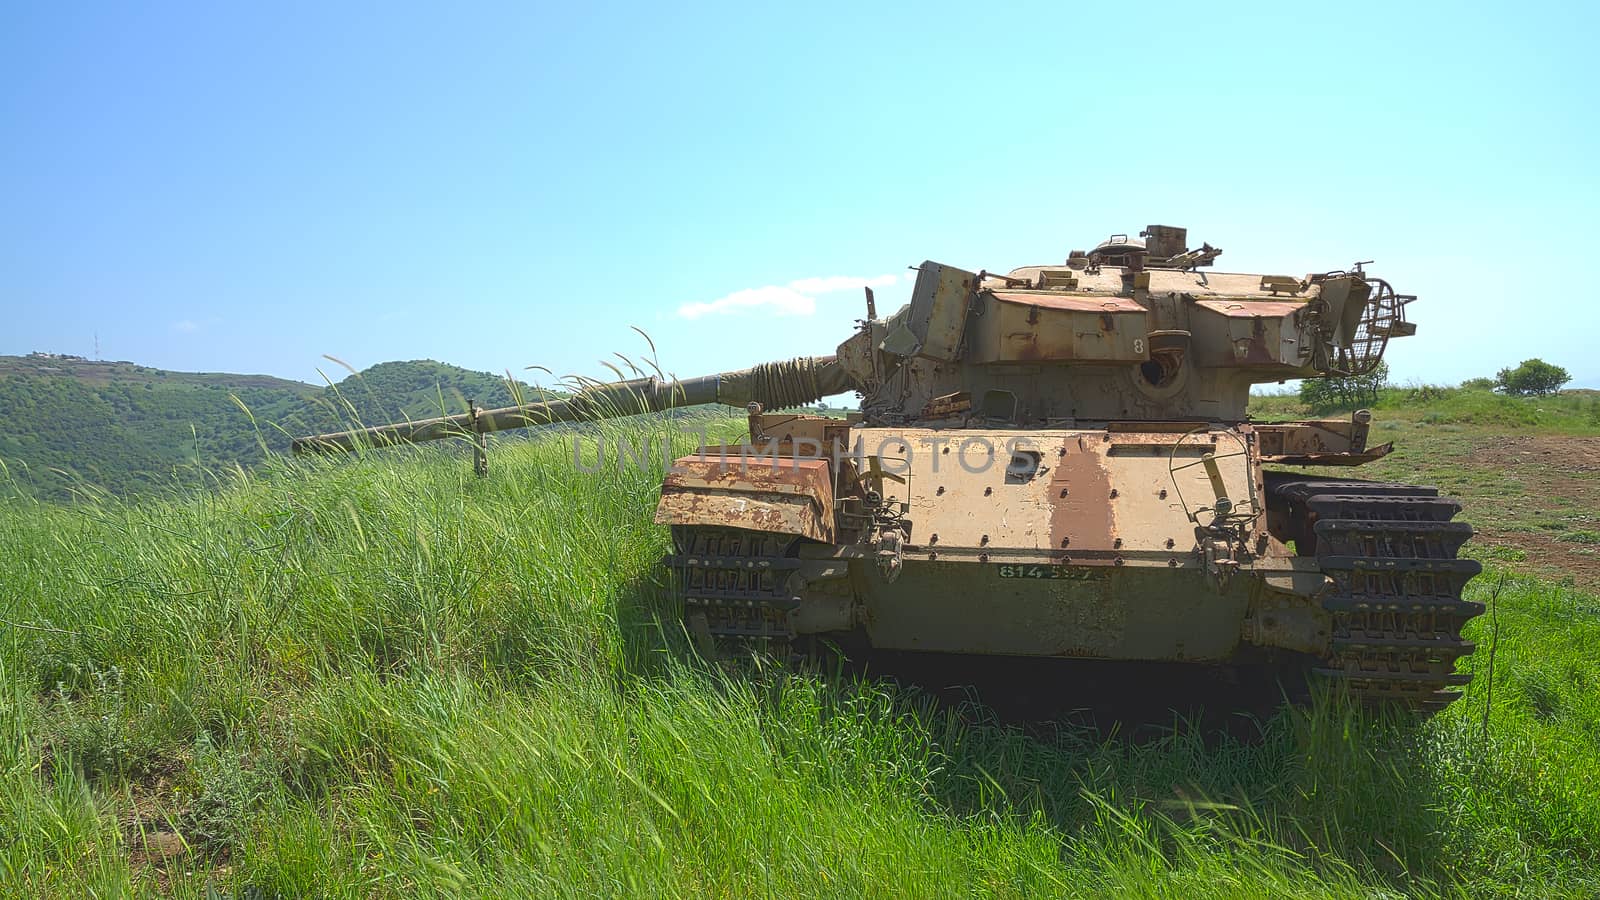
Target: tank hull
{"type": "Point", "coordinates": [1062, 542]}
{"type": "Point", "coordinates": [1031, 610]}
{"type": "Point", "coordinates": [1136, 541]}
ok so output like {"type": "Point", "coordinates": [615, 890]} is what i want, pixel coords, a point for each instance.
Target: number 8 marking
{"type": "Point", "coordinates": [1138, 345]}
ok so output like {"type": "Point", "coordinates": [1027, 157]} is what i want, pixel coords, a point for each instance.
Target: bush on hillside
{"type": "Point", "coordinates": [1427, 393]}
{"type": "Point", "coordinates": [1533, 378]}
{"type": "Point", "coordinates": [1343, 392]}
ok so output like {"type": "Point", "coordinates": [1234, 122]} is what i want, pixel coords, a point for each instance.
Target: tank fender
{"type": "Point", "coordinates": [1302, 577]}
{"type": "Point", "coordinates": [785, 495]}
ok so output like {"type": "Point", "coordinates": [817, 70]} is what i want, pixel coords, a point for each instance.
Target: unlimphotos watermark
{"type": "Point", "coordinates": [895, 454]}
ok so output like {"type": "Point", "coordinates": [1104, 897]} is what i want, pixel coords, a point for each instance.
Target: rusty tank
{"type": "Point", "coordinates": [1058, 461]}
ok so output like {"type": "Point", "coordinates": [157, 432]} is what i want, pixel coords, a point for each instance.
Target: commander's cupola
{"type": "Point", "coordinates": [1156, 247]}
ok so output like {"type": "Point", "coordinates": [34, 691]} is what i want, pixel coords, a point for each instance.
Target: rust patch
{"type": "Point", "coordinates": [783, 474]}
{"type": "Point", "coordinates": [1096, 303]}
{"type": "Point", "coordinates": [1080, 492]}
{"type": "Point", "coordinates": [1259, 353]}
{"type": "Point", "coordinates": [1023, 346]}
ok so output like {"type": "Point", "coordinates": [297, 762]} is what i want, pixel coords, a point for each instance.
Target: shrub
{"type": "Point", "coordinates": [1478, 384]}
{"type": "Point", "coordinates": [224, 787]}
{"type": "Point", "coordinates": [1339, 392]}
{"type": "Point", "coordinates": [1427, 393]}
{"type": "Point", "coordinates": [92, 727]}
{"type": "Point", "coordinates": [1533, 378]}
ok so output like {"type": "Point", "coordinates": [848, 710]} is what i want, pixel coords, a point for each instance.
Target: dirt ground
{"type": "Point", "coordinates": [1553, 518]}
{"type": "Point", "coordinates": [1576, 456]}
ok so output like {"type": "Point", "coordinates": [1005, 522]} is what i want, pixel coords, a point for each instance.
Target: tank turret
{"type": "Point", "coordinates": [1115, 333]}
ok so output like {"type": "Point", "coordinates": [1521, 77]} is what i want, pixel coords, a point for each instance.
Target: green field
{"type": "Point", "coordinates": [388, 678]}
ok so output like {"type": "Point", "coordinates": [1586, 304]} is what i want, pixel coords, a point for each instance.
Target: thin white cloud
{"type": "Point", "coordinates": [797, 298]}
{"type": "Point", "coordinates": [780, 301]}
{"type": "Point", "coordinates": [186, 326]}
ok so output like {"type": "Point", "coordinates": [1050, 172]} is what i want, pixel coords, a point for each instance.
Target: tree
{"type": "Point", "coordinates": [1339, 392]}
{"type": "Point", "coordinates": [1534, 378]}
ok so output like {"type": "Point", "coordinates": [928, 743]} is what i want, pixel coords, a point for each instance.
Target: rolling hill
{"type": "Point", "coordinates": [76, 426]}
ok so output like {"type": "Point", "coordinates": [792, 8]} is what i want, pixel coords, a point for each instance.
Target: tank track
{"type": "Point", "coordinates": [1391, 552]}
{"type": "Point", "coordinates": [734, 588]}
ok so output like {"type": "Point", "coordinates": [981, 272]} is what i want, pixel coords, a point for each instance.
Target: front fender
{"type": "Point", "coordinates": [784, 495]}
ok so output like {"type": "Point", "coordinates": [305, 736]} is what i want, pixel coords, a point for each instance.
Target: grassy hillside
{"type": "Point", "coordinates": [79, 427]}
{"type": "Point", "coordinates": [388, 678]}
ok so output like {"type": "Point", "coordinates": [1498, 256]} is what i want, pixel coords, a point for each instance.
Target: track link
{"type": "Point", "coordinates": [1391, 552]}
{"type": "Point", "coordinates": [734, 588]}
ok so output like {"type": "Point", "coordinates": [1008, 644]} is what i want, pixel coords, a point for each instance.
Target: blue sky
{"type": "Point", "coordinates": [224, 187]}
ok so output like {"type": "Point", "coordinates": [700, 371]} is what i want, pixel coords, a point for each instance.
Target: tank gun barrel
{"type": "Point", "coordinates": [775, 385]}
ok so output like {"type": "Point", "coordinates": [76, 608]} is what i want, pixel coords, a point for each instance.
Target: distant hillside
{"type": "Point", "coordinates": [99, 372]}
{"type": "Point", "coordinates": [72, 423]}
{"type": "Point", "coordinates": [416, 389]}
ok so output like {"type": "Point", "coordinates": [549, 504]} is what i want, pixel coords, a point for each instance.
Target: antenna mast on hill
{"type": "Point", "coordinates": [97, 346]}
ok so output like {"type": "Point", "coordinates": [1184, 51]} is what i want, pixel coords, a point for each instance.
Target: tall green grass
{"type": "Point", "coordinates": [385, 677]}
